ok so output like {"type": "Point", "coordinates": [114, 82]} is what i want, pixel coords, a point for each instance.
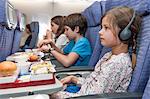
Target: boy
{"type": "Point", "coordinates": [78, 51]}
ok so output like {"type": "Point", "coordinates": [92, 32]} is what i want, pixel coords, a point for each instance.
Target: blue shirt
{"type": "Point", "coordinates": [82, 48]}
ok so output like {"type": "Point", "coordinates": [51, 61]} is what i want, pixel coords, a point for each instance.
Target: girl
{"type": "Point", "coordinates": [114, 70]}
{"type": "Point", "coordinates": [57, 28]}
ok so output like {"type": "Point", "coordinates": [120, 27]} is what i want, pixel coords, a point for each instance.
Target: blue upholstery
{"type": "Point", "coordinates": [142, 70]}
{"type": "Point", "coordinates": [6, 39]}
{"type": "Point", "coordinates": [6, 34]}
{"type": "Point", "coordinates": [17, 33]}
{"type": "Point", "coordinates": [2, 12]}
{"type": "Point", "coordinates": [16, 40]}
{"type": "Point", "coordinates": [93, 14]}
{"type": "Point", "coordinates": [91, 34]}
{"type": "Point", "coordinates": [139, 5]}
{"type": "Point", "coordinates": [35, 31]}
{"type": "Point", "coordinates": [146, 94]}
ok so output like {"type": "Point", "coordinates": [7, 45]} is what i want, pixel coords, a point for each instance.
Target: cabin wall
{"type": "Point", "coordinates": [44, 10]}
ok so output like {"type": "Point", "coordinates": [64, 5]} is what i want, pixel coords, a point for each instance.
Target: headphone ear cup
{"type": "Point", "coordinates": [125, 34]}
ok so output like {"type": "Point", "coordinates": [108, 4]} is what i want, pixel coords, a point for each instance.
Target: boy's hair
{"type": "Point", "coordinates": [76, 19]}
{"type": "Point", "coordinates": [120, 17]}
{"type": "Point", "coordinates": [59, 20]}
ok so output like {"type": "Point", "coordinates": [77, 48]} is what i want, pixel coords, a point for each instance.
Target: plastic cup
{"type": "Point", "coordinates": [24, 67]}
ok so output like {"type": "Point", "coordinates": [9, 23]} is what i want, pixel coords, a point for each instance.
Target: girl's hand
{"type": "Point", "coordinates": [48, 34]}
{"type": "Point", "coordinates": [44, 42]}
{"type": "Point", "coordinates": [69, 79]}
{"type": "Point", "coordinates": [44, 48]}
{"type": "Point", "coordinates": [40, 44]}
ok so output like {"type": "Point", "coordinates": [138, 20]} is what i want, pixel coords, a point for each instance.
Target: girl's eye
{"type": "Point", "coordinates": [106, 27]}
{"type": "Point", "coordinates": [66, 29]}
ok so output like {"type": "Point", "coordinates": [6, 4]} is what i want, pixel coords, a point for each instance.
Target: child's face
{"type": "Point", "coordinates": [108, 35]}
{"type": "Point", "coordinates": [54, 27]}
{"type": "Point", "coordinates": [27, 30]}
{"type": "Point", "coordinates": [69, 33]}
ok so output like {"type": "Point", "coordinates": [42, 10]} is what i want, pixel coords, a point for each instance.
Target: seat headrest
{"type": "Point", "coordinates": [34, 27]}
{"type": "Point", "coordinates": [94, 12]}
{"type": "Point", "coordinates": [138, 5]}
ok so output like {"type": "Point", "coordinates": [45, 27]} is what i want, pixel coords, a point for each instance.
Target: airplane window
{"type": "Point", "coordinates": [22, 22]}
{"type": "Point", "coordinates": [11, 18]}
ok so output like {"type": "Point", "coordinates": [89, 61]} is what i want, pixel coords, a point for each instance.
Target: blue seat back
{"type": "Point", "coordinates": [93, 15]}
{"type": "Point", "coordinates": [35, 32]}
{"type": "Point", "coordinates": [138, 5]}
{"type": "Point", "coordinates": [7, 25]}
{"type": "Point", "coordinates": [146, 94]}
{"type": "Point", "coordinates": [18, 31]}
{"type": "Point", "coordinates": [142, 70]}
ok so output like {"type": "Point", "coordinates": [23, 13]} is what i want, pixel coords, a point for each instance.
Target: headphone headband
{"type": "Point", "coordinates": [132, 19]}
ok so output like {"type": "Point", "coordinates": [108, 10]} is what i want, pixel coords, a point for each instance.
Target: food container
{"type": "Point", "coordinates": [36, 77]}
{"type": "Point", "coordinates": [10, 79]}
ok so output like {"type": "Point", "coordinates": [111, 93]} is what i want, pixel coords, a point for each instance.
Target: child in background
{"type": "Point", "coordinates": [27, 42]}
{"type": "Point", "coordinates": [60, 38]}
{"type": "Point", "coordinates": [113, 72]}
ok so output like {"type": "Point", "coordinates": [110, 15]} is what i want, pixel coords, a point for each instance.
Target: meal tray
{"type": "Point", "coordinates": [18, 84]}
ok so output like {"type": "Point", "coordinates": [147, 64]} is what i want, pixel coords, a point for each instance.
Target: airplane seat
{"type": "Point", "coordinates": [35, 31]}
{"type": "Point", "coordinates": [141, 72]}
{"type": "Point", "coordinates": [8, 22]}
{"type": "Point", "coordinates": [18, 31]}
{"type": "Point", "coordinates": [93, 15]}
{"type": "Point", "coordinates": [92, 35]}
{"type": "Point", "coordinates": [143, 42]}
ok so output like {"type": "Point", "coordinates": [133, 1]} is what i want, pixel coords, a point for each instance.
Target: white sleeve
{"type": "Point", "coordinates": [81, 81]}
{"type": "Point", "coordinates": [106, 79]}
{"type": "Point", "coordinates": [61, 41]}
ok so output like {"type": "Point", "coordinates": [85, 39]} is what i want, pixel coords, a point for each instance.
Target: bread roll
{"type": "Point", "coordinates": [7, 68]}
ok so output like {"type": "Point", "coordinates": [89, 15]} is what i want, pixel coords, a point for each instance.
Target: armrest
{"type": "Point", "coordinates": [121, 95]}
{"type": "Point", "coordinates": [61, 68]}
{"type": "Point", "coordinates": [74, 68]}
{"type": "Point", "coordinates": [79, 71]}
